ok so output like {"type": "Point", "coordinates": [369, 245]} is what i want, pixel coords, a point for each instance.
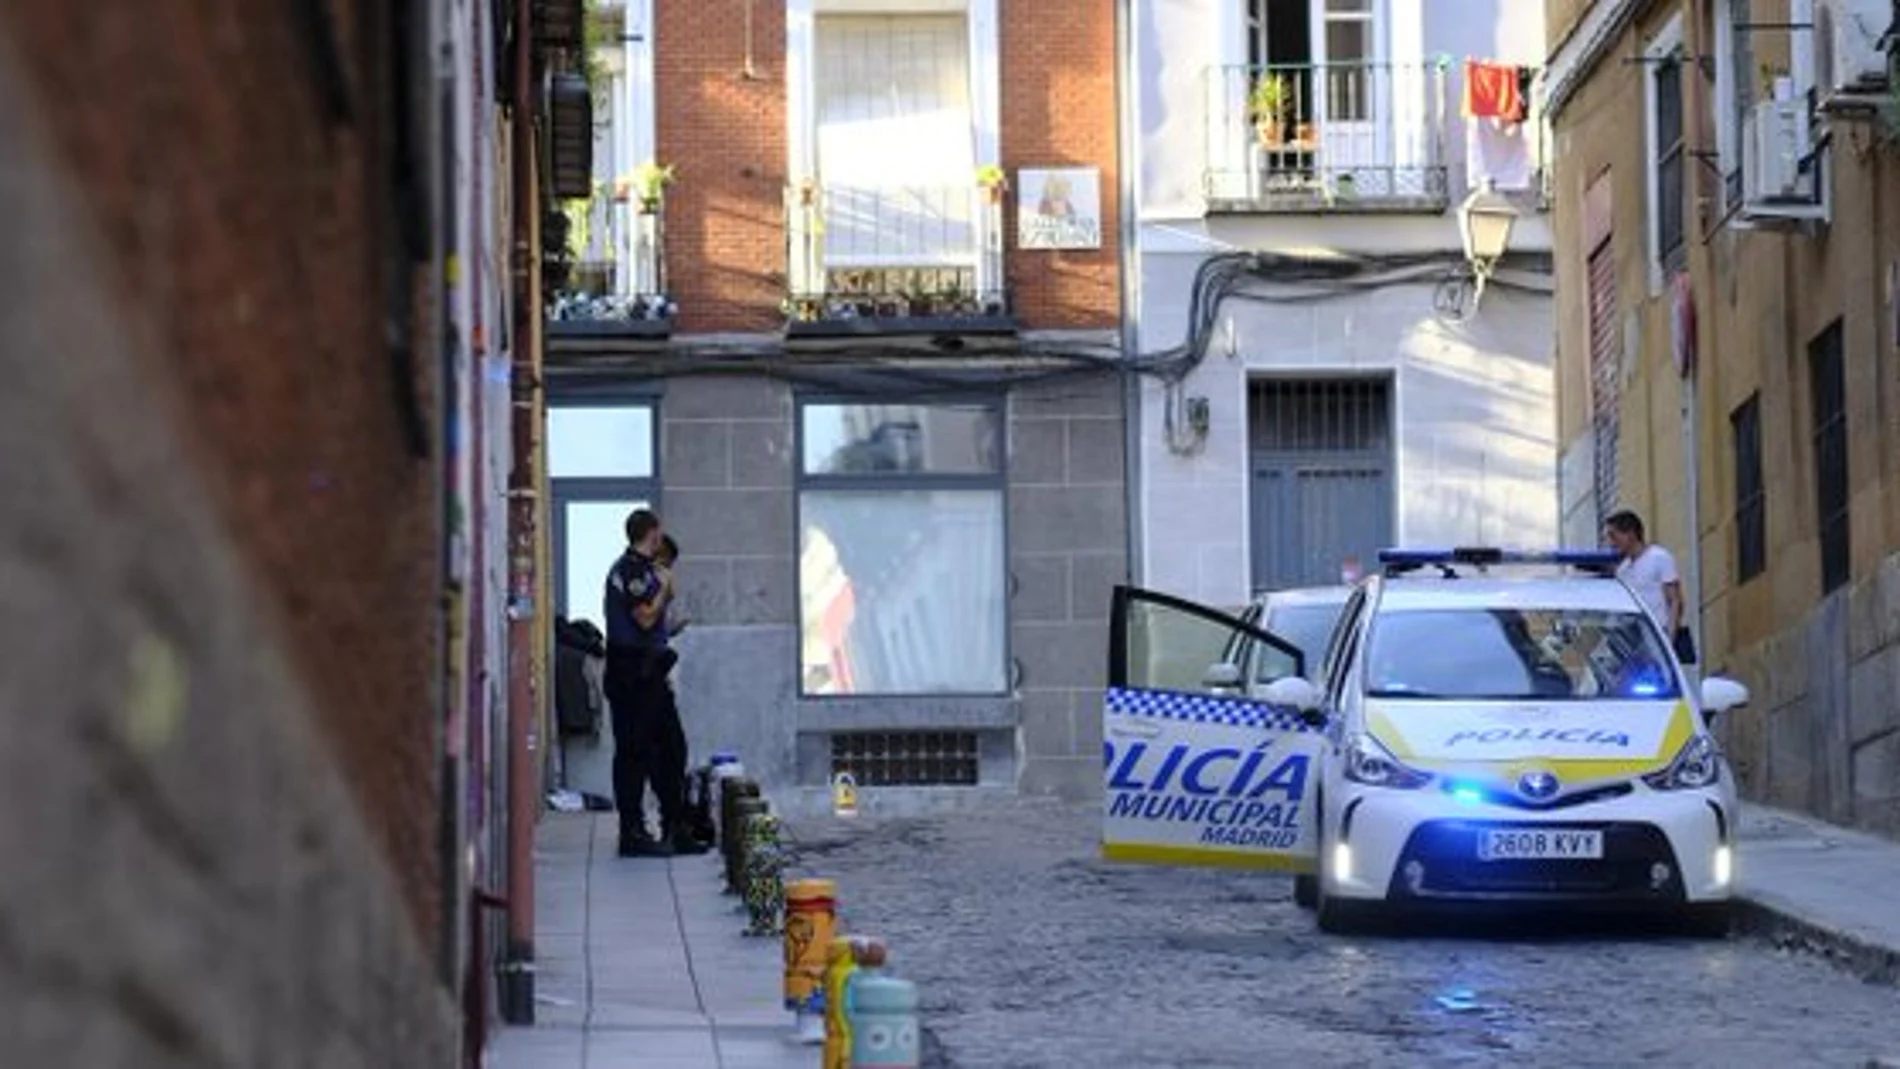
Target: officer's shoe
{"type": "Point", "coordinates": [640, 843]}
{"type": "Point", "coordinates": [685, 842]}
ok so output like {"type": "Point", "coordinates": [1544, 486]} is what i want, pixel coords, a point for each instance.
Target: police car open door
{"type": "Point", "coordinates": [1200, 768]}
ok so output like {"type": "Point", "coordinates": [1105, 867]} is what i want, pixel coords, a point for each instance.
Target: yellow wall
{"type": "Point", "coordinates": [1761, 295]}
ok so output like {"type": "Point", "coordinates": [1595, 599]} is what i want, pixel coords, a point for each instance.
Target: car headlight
{"type": "Point", "coordinates": [1369, 763]}
{"type": "Point", "coordinates": [1697, 764]}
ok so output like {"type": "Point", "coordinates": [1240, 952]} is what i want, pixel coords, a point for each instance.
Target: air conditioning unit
{"type": "Point", "coordinates": [1778, 140]}
{"type": "Point", "coordinates": [1847, 45]}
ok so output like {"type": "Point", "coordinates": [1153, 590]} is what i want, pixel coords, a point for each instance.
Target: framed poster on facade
{"type": "Point", "coordinates": [1059, 208]}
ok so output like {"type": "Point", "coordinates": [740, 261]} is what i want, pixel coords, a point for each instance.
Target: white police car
{"type": "Point", "coordinates": [1483, 727]}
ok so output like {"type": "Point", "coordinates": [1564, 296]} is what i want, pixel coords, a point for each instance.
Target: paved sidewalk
{"type": "Point", "coordinates": [1827, 889]}
{"type": "Point", "coordinates": [642, 965]}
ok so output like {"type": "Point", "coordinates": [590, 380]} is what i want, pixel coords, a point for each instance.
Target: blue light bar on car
{"type": "Point", "coordinates": [1487, 555]}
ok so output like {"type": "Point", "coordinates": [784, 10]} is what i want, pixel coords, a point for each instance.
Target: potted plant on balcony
{"type": "Point", "coordinates": [1269, 105]}
{"type": "Point", "coordinates": [648, 185]}
{"type": "Point", "coordinates": [992, 181]}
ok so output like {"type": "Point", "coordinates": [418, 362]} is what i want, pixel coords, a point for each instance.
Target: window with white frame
{"type": "Point", "coordinates": [884, 81]}
{"type": "Point", "coordinates": [1668, 161]}
{"type": "Point", "coordinates": [1735, 91]}
{"type": "Point", "coordinates": [602, 464]}
{"type": "Point", "coordinates": [1350, 51]}
{"type": "Point", "coordinates": [902, 578]}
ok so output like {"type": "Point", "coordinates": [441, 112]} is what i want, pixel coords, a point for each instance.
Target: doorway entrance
{"type": "Point", "coordinates": [1321, 453]}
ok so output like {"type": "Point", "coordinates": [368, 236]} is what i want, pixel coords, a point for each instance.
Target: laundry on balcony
{"type": "Point", "coordinates": [1496, 91]}
{"type": "Point", "coordinates": [1503, 152]}
{"type": "Point", "coordinates": [1500, 144]}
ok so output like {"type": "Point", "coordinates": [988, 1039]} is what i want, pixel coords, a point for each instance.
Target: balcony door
{"type": "Point", "coordinates": [1332, 55]}
{"type": "Point", "coordinates": [1352, 102]}
{"type": "Point", "coordinates": [896, 148]}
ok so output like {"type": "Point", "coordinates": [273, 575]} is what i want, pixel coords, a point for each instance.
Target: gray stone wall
{"type": "Point", "coordinates": [1822, 733]}
{"type": "Point", "coordinates": [1068, 548]}
{"type": "Point", "coordinates": [187, 879]}
{"type": "Point", "coordinates": [726, 487]}
{"type": "Point", "coordinates": [726, 477]}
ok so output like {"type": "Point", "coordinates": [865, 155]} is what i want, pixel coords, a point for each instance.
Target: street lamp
{"type": "Point", "coordinates": [1484, 222]}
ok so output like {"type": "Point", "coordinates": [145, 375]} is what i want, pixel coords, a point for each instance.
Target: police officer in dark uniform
{"type": "Point", "coordinates": [649, 745]}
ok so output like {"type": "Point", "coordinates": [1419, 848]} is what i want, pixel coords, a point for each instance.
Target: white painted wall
{"type": "Point", "coordinates": [1177, 41]}
{"type": "Point", "coordinates": [1474, 408]}
{"type": "Point", "coordinates": [1473, 403]}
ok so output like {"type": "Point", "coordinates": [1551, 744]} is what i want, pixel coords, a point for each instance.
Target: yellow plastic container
{"type": "Point", "coordinates": [840, 962]}
{"type": "Point", "coordinates": [811, 922]}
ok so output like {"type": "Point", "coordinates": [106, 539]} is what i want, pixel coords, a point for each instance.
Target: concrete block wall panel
{"type": "Point", "coordinates": [1068, 549]}
{"type": "Point", "coordinates": [726, 495]}
{"type": "Point", "coordinates": [243, 226]}
{"type": "Point", "coordinates": [190, 880]}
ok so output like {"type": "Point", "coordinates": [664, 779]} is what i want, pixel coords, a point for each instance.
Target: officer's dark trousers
{"type": "Point", "coordinates": [649, 745]}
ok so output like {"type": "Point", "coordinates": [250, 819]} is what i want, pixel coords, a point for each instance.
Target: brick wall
{"type": "Point", "coordinates": [189, 881]}
{"type": "Point", "coordinates": [724, 133]}
{"type": "Point", "coordinates": [1819, 733]}
{"type": "Point", "coordinates": [241, 227]}
{"type": "Point", "coordinates": [1058, 109]}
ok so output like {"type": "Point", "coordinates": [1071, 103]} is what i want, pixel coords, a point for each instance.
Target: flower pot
{"type": "Point", "coordinates": [1271, 132]}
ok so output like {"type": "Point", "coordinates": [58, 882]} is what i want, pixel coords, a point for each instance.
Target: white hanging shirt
{"type": "Point", "coordinates": [1646, 574]}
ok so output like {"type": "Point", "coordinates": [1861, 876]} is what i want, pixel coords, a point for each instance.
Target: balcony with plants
{"type": "Point", "coordinates": [869, 259]}
{"type": "Point", "coordinates": [1351, 136]}
{"type": "Point", "coordinates": [606, 266]}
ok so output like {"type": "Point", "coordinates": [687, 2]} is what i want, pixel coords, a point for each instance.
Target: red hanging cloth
{"type": "Point", "coordinates": [1493, 91]}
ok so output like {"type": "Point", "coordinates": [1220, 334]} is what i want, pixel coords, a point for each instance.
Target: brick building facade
{"type": "Point", "coordinates": [862, 356]}
{"type": "Point", "coordinates": [223, 663]}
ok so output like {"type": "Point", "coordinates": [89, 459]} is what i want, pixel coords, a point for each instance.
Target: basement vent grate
{"type": "Point", "coordinates": [906, 758]}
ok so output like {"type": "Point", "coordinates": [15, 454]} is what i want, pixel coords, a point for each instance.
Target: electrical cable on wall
{"type": "Point", "coordinates": [920, 367]}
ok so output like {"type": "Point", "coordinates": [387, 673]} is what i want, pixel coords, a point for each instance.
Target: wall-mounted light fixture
{"type": "Point", "coordinates": [1485, 220]}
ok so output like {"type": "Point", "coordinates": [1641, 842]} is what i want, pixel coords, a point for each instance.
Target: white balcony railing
{"type": "Point", "coordinates": [893, 252]}
{"type": "Point", "coordinates": [1327, 135]}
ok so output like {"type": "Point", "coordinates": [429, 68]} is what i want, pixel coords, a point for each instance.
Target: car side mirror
{"type": "Point", "coordinates": [1223, 676]}
{"type": "Point", "coordinates": [1299, 693]}
{"type": "Point", "coordinates": [1721, 694]}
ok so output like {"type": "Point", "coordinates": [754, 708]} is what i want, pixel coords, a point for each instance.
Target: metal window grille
{"type": "Point", "coordinates": [1670, 248]}
{"type": "Point", "coordinates": [1331, 416]}
{"type": "Point", "coordinates": [1751, 515]}
{"type": "Point", "coordinates": [1605, 375]}
{"type": "Point", "coordinates": [907, 758]}
{"type": "Point", "coordinates": [1827, 391]}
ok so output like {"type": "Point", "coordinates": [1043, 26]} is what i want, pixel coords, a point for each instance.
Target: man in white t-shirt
{"type": "Point", "coordinates": [1650, 571]}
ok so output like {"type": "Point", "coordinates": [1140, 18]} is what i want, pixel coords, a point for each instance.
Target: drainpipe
{"type": "Point", "coordinates": [517, 969]}
{"type": "Point", "coordinates": [1691, 372]}
{"type": "Point", "coordinates": [1126, 164]}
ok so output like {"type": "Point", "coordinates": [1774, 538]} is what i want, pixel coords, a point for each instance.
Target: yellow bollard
{"type": "Point", "coordinates": [840, 963]}
{"type": "Point", "coordinates": [811, 921]}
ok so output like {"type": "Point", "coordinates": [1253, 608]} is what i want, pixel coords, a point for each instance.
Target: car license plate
{"type": "Point", "coordinates": [1540, 844]}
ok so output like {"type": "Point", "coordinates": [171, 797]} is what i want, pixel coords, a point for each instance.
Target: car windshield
{"type": "Point", "coordinates": [1309, 627]}
{"type": "Point", "coordinates": [1517, 654]}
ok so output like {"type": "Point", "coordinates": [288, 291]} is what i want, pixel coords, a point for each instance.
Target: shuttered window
{"type": "Point", "coordinates": [896, 141]}
{"type": "Point", "coordinates": [1605, 374]}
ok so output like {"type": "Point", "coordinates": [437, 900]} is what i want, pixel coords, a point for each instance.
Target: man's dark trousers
{"type": "Point", "coordinates": [649, 746]}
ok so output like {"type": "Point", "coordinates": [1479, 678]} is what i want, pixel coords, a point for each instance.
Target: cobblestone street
{"type": "Point", "coordinates": [1030, 952]}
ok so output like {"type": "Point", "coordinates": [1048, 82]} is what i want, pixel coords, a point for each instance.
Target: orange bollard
{"type": "Point", "coordinates": [811, 922]}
